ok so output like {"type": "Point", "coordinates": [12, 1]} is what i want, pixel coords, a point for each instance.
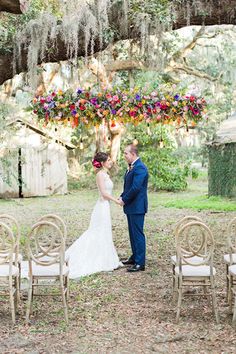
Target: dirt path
{"type": "Point", "coordinates": [119, 312]}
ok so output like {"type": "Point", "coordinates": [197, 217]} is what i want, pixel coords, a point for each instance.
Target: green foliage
{"type": "Point", "coordinates": [152, 8]}
{"type": "Point", "coordinates": [222, 170]}
{"type": "Point", "coordinates": [194, 173]}
{"type": "Point", "coordinates": [200, 203]}
{"type": "Point", "coordinates": [10, 24]}
{"type": "Point", "coordinates": [166, 171]}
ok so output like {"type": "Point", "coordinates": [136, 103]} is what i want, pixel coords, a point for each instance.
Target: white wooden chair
{"type": "Point", "coordinates": [9, 272]}
{"type": "Point", "coordinates": [230, 258]}
{"type": "Point", "coordinates": [12, 223]}
{"type": "Point", "coordinates": [46, 253]}
{"type": "Point", "coordinates": [179, 224]}
{"type": "Point", "coordinates": [197, 239]}
{"type": "Point", "coordinates": [57, 220]}
{"type": "Point", "coordinates": [230, 262]}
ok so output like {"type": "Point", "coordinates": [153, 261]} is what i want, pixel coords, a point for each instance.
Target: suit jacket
{"type": "Point", "coordinates": [135, 189]}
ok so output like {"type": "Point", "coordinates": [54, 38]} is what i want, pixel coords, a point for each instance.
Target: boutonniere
{"type": "Point", "coordinates": [130, 168]}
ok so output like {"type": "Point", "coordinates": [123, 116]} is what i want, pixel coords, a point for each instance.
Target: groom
{"type": "Point", "coordinates": [135, 203]}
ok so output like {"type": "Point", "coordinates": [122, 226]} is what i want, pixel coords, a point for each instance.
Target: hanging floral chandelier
{"type": "Point", "coordinates": [87, 108]}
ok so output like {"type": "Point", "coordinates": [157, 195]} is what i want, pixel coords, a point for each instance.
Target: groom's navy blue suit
{"type": "Point", "coordinates": [135, 199]}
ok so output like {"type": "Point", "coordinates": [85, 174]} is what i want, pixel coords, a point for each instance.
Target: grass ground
{"type": "Point", "coordinates": [119, 312]}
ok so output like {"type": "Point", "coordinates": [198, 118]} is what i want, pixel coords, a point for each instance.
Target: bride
{"type": "Point", "coordinates": [94, 250]}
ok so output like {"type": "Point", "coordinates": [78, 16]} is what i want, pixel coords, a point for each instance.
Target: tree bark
{"type": "Point", "coordinates": [14, 6]}
{"type": "Point", "coordinates": [223, 12]}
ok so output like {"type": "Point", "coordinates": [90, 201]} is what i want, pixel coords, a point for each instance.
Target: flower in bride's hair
{"type": "Point", "coordinates": [96, 163]}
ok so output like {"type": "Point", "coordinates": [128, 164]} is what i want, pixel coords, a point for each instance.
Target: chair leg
{"type": "Point", "coordinates": [206, 292]}
{"type": "Point", "coordinates": [234, 312]}
{"type": "Point", "coordinates": [179, 300]}
{"type": "Point", "coordinates": [214, 302]}
{"type": "Point", "coordinates": [17, 280]}
{"type": "Point", "coordinates": [67, 284]}
{"type": "Point", "coordinates": [64, 298]}
{"type": "Point", "coordinates": [12, 304]}
{"type": "Point", "coordinates": [173, 271]}
{"type": "Point", "coordinates": [227, 283]}
{"type": "Point", "coordinates": [230, 292]}
{"type": "Point", "coordinates": [29, 302]}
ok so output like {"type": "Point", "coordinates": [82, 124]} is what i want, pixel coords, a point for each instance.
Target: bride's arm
{"type": "Point", "coordinates": [101, 186]}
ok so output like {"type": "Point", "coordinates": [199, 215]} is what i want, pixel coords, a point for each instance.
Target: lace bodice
{"type": "Point", "coordinates": [108, 184]}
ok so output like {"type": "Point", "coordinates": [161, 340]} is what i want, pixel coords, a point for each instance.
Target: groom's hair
{"type": "Point", "coordinates": [133, 149]}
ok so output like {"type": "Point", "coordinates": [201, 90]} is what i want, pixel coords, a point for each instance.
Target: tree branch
{"type": "Point", "coordinates": [120, 65]}
{"type": "Point", "coordinates": [14, 6]}
{"type": "Point", "coordinates": [190, 71]}
{"type": "Point", "coordinates": [223, 12]}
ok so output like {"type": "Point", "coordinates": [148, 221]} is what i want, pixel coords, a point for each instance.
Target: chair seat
{"type": "Point", "coordinates": [48, 271]}
{"type": "Point", "coordinates": [227, 258]}
{"type": "Point", "coordinates": [195, 271]}
{"type": "Point", "coordinates": [232, 269]}
{"type": "Point", "coordinates": [5, 268]}
{"type": "Point", "coordinates": [194, 259]}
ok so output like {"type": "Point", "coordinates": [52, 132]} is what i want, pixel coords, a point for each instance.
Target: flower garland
{"type": "Point", "coordinates": [88, 108]}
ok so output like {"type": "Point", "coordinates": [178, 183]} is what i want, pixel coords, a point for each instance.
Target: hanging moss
{"type": "Point", "coordinates": [222, 170]}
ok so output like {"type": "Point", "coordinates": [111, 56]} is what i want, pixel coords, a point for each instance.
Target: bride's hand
{"type": "Point", "coordinates": [120, 202]}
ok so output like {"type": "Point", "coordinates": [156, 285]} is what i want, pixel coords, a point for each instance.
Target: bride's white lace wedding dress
{"type": "Point", "coordinates": [94, 250]}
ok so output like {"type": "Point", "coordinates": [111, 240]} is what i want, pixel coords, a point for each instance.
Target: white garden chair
{"type": "Point", "coordinates": [180, 223]}
{"type": "Point", "coordinates": [230, 258]}
{"type": "Point", "coordinates": [195, 240]}
{"type": "Point", "coordinates": [230, 261]}
{"type": "Point", "coordinates": [57, 220]}
{"type": "Point", "coordinates": [9, 272]}
{"type": "Point", "coordinates": [12, 223]}
{"type": "Point", "coordinates": [46, 255]}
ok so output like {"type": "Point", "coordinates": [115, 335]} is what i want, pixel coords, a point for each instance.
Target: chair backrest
{"type": "Point", "coordinates": [231, 236]}
{"type": "Point", "coordinates": [185, 220]}
{"type": "Point", "coordinates": [12, 223]}
{"type": "Point", "coordinates": [55, 219]}
{"type": "Point", "coordinates": [7, 245]}
{"type": "Point", "coordinates": [194, 239]}
{"type": "Point", "coordinates": [46, 244]}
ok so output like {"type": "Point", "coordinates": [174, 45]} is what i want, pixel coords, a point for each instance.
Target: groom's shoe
{"type": "Point", "coordinates": [129, 261]}
{"type": "Point", "coordinates": [136, 268]}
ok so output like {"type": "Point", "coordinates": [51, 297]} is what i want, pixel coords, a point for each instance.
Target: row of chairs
{"type": "Point", "coordinates": [45, 247]}
{"type": "Point", "coordinates": [193, 262]}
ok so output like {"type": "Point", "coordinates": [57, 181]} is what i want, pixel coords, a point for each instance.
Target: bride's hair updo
{"type": "Point", "coordinates": [99, 158]}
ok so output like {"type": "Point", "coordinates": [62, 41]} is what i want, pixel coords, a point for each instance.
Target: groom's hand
{"type": "Point", "coordinates": [121, 203]}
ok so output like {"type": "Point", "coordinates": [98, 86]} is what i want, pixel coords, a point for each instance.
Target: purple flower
{"type": "Point", "coordinates": [113, 111]}
{"type": "Point", "coordinates": [74, 112]}
{"type": "Point", "coordinates": [94, 101]}
{"type": "Point", "coordinates": [176, 97]}
{"type": "Point", "coordinates": [138, 98]}
{"type": "Point", "coordinates": [79, 91]}
{"type": "Point", "coordinates": [52, 104]}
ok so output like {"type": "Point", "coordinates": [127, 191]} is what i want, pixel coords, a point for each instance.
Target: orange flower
{"type": "Point", "coordinates": [105, 113]}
